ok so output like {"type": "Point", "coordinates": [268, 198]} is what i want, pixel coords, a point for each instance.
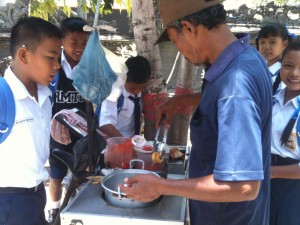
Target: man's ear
{"type": "Point", "coordinates": [188, 29]}
{"type": "Point", "coordinates": [22, 55]}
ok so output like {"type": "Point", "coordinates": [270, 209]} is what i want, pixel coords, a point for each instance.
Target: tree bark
{"type": "Point", "coordinates": [178, 131]}
{"type": "Point", "coordinates": [144, 29]}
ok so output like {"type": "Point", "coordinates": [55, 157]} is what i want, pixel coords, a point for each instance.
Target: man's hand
{"type": "Point", "coordinates": [165, 110]}
{"type": "Point", "coordinates": [142, 188]}
{"type": "Point", "coordinates": [168, 108]}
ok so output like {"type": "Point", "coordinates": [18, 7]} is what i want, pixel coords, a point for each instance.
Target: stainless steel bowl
{"type": "Point", "coordinates": [114, 196]}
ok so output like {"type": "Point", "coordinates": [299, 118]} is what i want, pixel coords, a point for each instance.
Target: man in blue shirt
{"type": "Point", "coordinates": [229, 167]}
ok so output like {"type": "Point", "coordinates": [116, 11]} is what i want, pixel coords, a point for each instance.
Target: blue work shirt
{"type": "Point", "coordinates": [230, 134]}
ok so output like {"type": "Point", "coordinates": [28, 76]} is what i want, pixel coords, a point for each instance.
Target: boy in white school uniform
{"type": "Point", "coordinates": [121, 118]}
{"type": "Point", "coordinates": [35, 47]}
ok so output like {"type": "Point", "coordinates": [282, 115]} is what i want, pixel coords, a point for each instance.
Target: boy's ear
{"type": "Point", "coordinates": [22, 55]}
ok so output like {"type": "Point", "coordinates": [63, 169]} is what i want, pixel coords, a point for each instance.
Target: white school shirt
{"type": "Point", "coordinates": [281, 115]}
{"type": "Point", "coordinates": [273, 69]}
{"type": "Point", "coordinates": [124, 121]}
{"type": "Point", "coordinates": [66, 66]}
{"type": "Point", "coordinates": [25, 151]}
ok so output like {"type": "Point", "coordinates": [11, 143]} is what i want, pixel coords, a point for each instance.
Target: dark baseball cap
{"type": "Point", "coordinates": [173, 10]}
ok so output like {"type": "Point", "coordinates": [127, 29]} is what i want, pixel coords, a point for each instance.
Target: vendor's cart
{"type": "Point", "coordinates": [89, 208]}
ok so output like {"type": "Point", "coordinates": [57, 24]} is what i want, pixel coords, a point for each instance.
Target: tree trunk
{"type": "Point", "coordinates": [178, 131]}
{"type": "Point", "coordinates": [144, 29]}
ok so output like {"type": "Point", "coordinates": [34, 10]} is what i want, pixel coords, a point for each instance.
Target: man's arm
{"type": "Point", "coordinates": [146, 188]}
{"type": "Point", "coordinates": [168, 108]}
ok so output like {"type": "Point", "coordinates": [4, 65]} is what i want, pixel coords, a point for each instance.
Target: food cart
{"type": "Point", "coordinates": [89, 206]}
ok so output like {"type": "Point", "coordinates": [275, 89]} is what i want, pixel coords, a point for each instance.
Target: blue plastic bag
{"type": "Point", "coordinates": [93, 77]}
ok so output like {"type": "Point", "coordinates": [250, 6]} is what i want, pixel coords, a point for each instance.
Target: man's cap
{"type": "Point", "coordinates": [173, 10]}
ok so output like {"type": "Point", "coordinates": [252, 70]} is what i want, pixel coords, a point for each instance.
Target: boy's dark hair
{"type": "Point", "coordinates": [293, 46]}
{"type": "Point", "coordinates": [138, 70]}
{"type": "Point", "coordinates": [72, 24]}
{"type": "Point", "coordinates": [31, 31]}
{"type": "Point", "coordinates": [210, 18]}
{"type": "Point", "coordinates": [274, 29]}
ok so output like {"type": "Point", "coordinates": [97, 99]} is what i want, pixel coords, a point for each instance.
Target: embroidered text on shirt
{"type": "Point", "coordinates": [28, 119]}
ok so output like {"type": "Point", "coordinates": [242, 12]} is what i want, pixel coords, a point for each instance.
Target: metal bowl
{"type": "Point", "coordinates": [114, 196]}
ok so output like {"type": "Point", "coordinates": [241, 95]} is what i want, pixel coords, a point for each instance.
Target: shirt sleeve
{"type": "Point", "coordinates": [108, 114]}
{"type": "Point", "coordinates": [239, 155]}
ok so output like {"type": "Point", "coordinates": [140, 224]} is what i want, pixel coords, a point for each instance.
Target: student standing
{"type": "Point", "coordinates": [285, 171]}
{"type": "Point", "coordinates": [122, 117]}
{"type": "Point", "coordinates": [229, 167]}
{"type": "Point", "coordinates": [35, 47]}
{"type": "Point", "coordinates": [271, 41]}
{"type": "Point", "coordinates": [66, 97]}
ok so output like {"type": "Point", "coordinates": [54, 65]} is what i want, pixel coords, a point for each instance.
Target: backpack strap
{"type": "Point", "coordinates": [53, 87]}
{"type": "Point", "coordinates": [8, 110]}
{"type": "Point", "coordinates": [120, 103]}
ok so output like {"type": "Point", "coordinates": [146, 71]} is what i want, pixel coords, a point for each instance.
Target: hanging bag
{"type": "Point", "coordinates": [93, 77]}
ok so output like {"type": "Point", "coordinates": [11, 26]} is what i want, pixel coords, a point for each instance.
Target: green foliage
{"type": "Point", "coordinates": [66, 9]}
{"type": "Point", "coordinates": [84, 7]}
{"type": "Point", "coordinates": [127, 3]}
{"type": "Point", "coordinates": [44, 8]}
{"type": "Point", "coordinates": [105, 6]}
{"type": "Point", "coordinates": [128, 6]}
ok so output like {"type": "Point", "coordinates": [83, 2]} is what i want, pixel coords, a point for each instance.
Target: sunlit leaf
{"type": "Point", "coordinates": [128, 7]}
{"type": "Point", "coordinates": [84, 7]}
{"type": "Point", "coordinates": [118, 2]}
{"type": "Point", "coordinates": [67, 10]}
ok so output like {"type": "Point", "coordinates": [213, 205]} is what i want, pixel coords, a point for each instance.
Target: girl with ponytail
{"type": "Point", "coordinates": [285, 145]}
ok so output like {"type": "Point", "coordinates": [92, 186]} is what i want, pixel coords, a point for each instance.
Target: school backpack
{"type": "Point", "coordinates": [8, 110]}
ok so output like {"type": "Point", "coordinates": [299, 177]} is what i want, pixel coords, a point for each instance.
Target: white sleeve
{"type": "Point", "coordinates": [108, 114]}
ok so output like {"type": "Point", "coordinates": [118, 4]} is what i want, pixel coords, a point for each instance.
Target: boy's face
{"type": "Point", "coordinates": [135, 88]}
{"type": "Point", "coordinates": [74, 44]}
{"type": "Point", "coordinates": [43, 64]}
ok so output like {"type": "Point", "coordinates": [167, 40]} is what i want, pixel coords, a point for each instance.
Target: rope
{"type": "Point", "coordinates": [97, 13]}
{"type": "Point", "coordinates": [173, 68]}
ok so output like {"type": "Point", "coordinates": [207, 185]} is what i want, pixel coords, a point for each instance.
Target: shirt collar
{"type": "Point", "coordinates": [66, 66]}
{"type": "Point", "coordinates": [279, 98]}
{"type": "Point", "coordinates": [225, 58]}
{"type": "Point", "coordinates": [19, 89]}
{"type": "Point", "coordinates": [275, 67]}
{"type": "Point", "coordinates": [126, 94]}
